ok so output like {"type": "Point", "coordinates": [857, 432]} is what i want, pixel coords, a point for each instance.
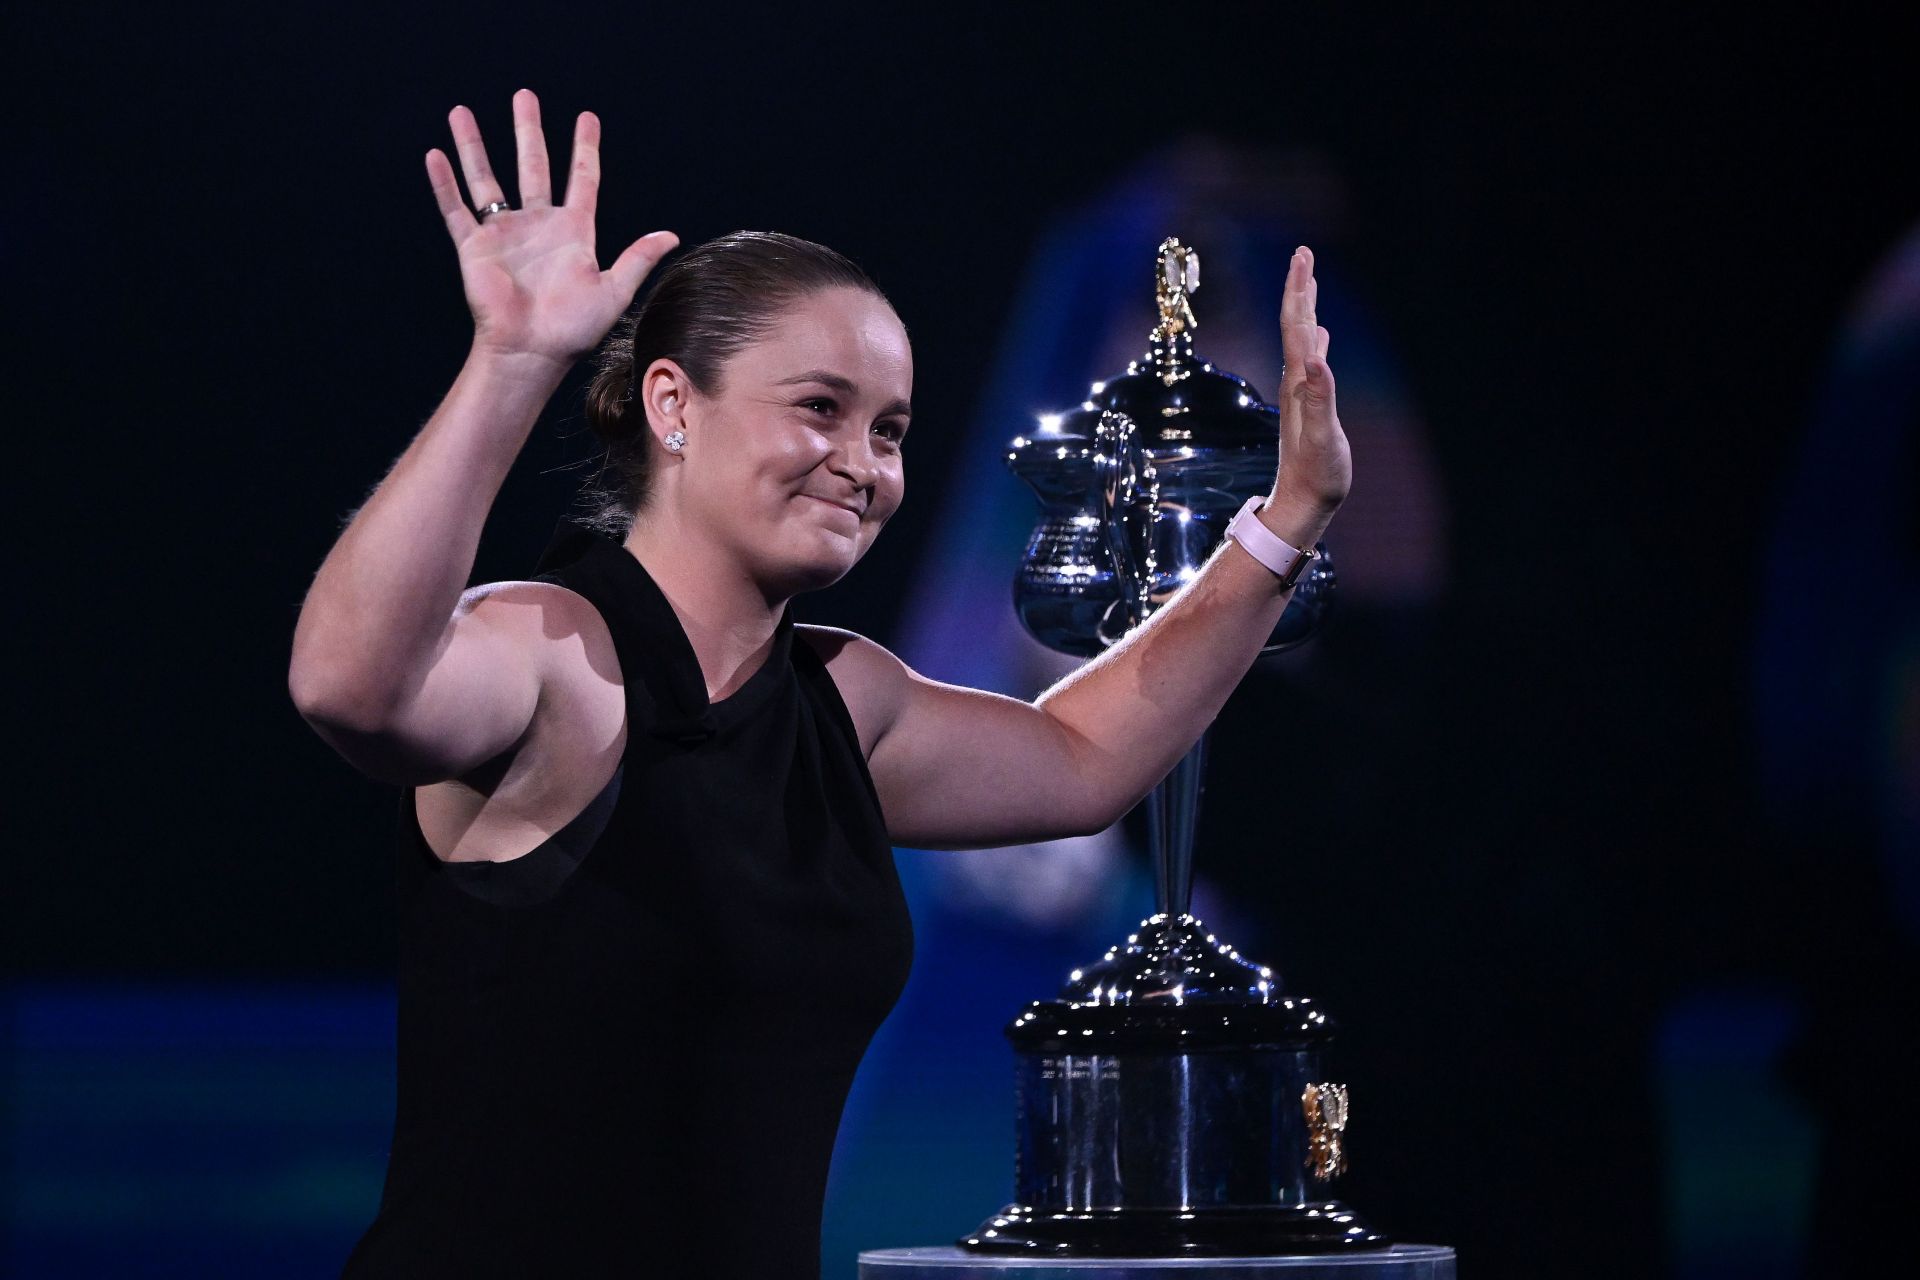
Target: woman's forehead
{"type": "Point", "coordinates": [844, 331]}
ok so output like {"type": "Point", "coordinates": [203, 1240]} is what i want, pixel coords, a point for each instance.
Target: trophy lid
{"type": "Point", "coordinates": [1179, 403]}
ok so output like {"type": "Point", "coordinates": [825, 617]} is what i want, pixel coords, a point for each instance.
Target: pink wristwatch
{"type": "Point", "coordinates": [1268, 547]}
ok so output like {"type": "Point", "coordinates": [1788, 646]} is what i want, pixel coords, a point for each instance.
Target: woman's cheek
{"type": "Point", "coordinates": [894, 491]}
{"type": "Point", "coordinates": [801, 447]}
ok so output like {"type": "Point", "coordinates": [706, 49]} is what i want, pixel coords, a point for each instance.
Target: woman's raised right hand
{"type": "Point", "coordinates": [532, 277]}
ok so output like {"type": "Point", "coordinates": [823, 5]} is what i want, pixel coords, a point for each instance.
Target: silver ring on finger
{"type": "Point", "coordinates": [498, 206]}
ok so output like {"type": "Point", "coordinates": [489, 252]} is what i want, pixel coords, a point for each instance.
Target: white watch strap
{"type": "Point", "coordinates": [1264, 545]}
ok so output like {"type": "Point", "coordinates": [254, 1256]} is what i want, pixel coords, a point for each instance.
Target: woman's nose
{"type": "Point", "coordinates": [858, 463]}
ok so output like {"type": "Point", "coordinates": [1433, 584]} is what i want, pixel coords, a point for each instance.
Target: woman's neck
{"type": "Point", "coordinates": [728, 617]}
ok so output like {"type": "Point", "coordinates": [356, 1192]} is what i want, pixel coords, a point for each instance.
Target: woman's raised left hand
{"type": "Point", "coordinates": [1316, 466]}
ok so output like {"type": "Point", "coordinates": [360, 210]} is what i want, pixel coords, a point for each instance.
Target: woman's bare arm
{"type": "Point", "coordinates": [403, 673]}
{"type": "Point", "coordinates": [964, 768]}
{"type": "Point", "coordinates": [392, 664]}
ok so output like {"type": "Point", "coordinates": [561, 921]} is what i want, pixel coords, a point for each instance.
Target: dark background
{"type": "Point", "coordinates": [1611, 255]}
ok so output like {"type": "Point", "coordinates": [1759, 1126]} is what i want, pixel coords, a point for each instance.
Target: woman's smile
{"type": "Point", "coordinates": [851, 513]}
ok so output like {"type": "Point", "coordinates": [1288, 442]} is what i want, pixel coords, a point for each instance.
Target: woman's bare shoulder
{"type": "Point", "coordinates": [850, 649]}
{"type": "Point", "coordinates": [582, 702]}
{"type": "Point", "coordinates": [558, 623]}
{"type": "Point", "coordinates": [522, 592]}
{"type": "Point", "coordinates": [526, 598]}
{"type": "Point", "coordinates": [871, 680]}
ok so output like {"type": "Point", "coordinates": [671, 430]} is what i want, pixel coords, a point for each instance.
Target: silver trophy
{"type": "Point", "coordinates": [1171, 1098]}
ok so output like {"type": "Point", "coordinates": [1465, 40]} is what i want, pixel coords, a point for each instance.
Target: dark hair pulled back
{"type": "Point", "coordinates": [713, 301]}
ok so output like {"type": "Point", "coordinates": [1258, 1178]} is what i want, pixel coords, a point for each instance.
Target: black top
{"type": "Point", "coordinates": [626, 1053]}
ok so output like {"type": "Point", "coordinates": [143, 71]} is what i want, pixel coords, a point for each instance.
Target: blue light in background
{"type": "Point", "coordinates": [1741, 1152]}
{"type": "Point", "coordinates": [195, 1130]}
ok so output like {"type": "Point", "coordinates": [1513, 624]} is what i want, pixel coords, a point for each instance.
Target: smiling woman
{"type": "Point", "coordinates": [713, 304]}
{"type": "Point", "coordinates": [808, 415]}
{"type": "Point", "coordinates": [649, 917]}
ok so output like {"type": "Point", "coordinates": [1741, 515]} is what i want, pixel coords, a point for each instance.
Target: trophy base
{"type": "Point", "coordinates": [1326, 1227]}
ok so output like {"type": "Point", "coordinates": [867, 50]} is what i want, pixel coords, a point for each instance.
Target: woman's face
{"type": "Point", "coordinates": [796, 463]}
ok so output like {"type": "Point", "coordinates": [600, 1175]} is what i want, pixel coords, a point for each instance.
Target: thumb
{"type": "Point", "coordinates": [1317, 374]}
{"type": "Point", "coordinates": [640, 257]}
{"type": "Point", "coordinates": [1316, 386]}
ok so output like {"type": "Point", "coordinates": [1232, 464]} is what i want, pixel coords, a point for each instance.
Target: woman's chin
{"type": "Point", "coordinates": [833, 557]}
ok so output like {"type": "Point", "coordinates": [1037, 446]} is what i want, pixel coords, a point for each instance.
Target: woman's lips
{"type": "Point", "coordinates": [835, 505]}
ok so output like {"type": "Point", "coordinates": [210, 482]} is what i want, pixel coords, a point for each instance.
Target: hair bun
{"type": "Point", "coordinates": [608, 398]}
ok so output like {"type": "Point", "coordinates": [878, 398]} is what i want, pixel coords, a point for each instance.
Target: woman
{"type": "Point", "coordinates": [649, 917]}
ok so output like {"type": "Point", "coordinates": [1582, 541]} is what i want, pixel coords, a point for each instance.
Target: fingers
{"type": "Point", "coordinates": [640, 257]}
{"type": "Point", "coordinates": [536, 182]}
{"type": "Point", "coordinates": [1299, 332]}
{"type": "Point", "coordinates": [1296, 340]}
{"type": "Point", "coordinates": [583, 176]}
{"type": "Point", "coordinates": [482, 188]}
{"type": "Point", "coordinates": [446, 192]}
{"type": "Point", "coordinates": [1306, 390]}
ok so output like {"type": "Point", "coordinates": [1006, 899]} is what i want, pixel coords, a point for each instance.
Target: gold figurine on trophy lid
{"type": "Point", "coordinates": [1176, 281]}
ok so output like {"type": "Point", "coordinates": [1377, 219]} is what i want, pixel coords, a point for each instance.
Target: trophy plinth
{"type": "Point", "coordinates": [1171, 1099]}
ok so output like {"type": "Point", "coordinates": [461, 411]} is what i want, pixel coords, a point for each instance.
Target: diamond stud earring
{"type": "Point", "coordinates": [674, 440]}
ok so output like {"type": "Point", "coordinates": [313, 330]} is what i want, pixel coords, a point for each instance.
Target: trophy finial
{"type": "Point", "coordinates": [1178, 278]}
{"type": "Point", "coordinates": [1172, 339]}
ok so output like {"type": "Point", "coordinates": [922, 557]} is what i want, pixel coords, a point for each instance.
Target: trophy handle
{"type": "Point", "coordinates": [1173, 813]}
{"type": "Point", "coordinates": [1128, 495]}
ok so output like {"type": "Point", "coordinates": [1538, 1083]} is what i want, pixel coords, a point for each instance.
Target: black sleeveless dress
{"type": "Point", "coordinates": [626, 1053]}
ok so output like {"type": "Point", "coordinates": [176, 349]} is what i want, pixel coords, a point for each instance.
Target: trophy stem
{"type": "Point", "coordinates": [1173, 813]}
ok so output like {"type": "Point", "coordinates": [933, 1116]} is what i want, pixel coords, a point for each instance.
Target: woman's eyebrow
{"type": "Point", "coordinates": [842, 383]}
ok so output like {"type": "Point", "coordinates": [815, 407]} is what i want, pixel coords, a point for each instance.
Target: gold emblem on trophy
{"type": "Point", "coordinates": [1326, 1108]}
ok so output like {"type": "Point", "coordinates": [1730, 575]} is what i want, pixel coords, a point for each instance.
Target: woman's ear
{"type": "Point", "coordinates": [664, 390]}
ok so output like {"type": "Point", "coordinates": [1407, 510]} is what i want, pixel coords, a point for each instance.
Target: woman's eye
{"type": "Point", "coordinates": [893, 431]}
{"type": "Point", "coordinates": [816, 401]}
